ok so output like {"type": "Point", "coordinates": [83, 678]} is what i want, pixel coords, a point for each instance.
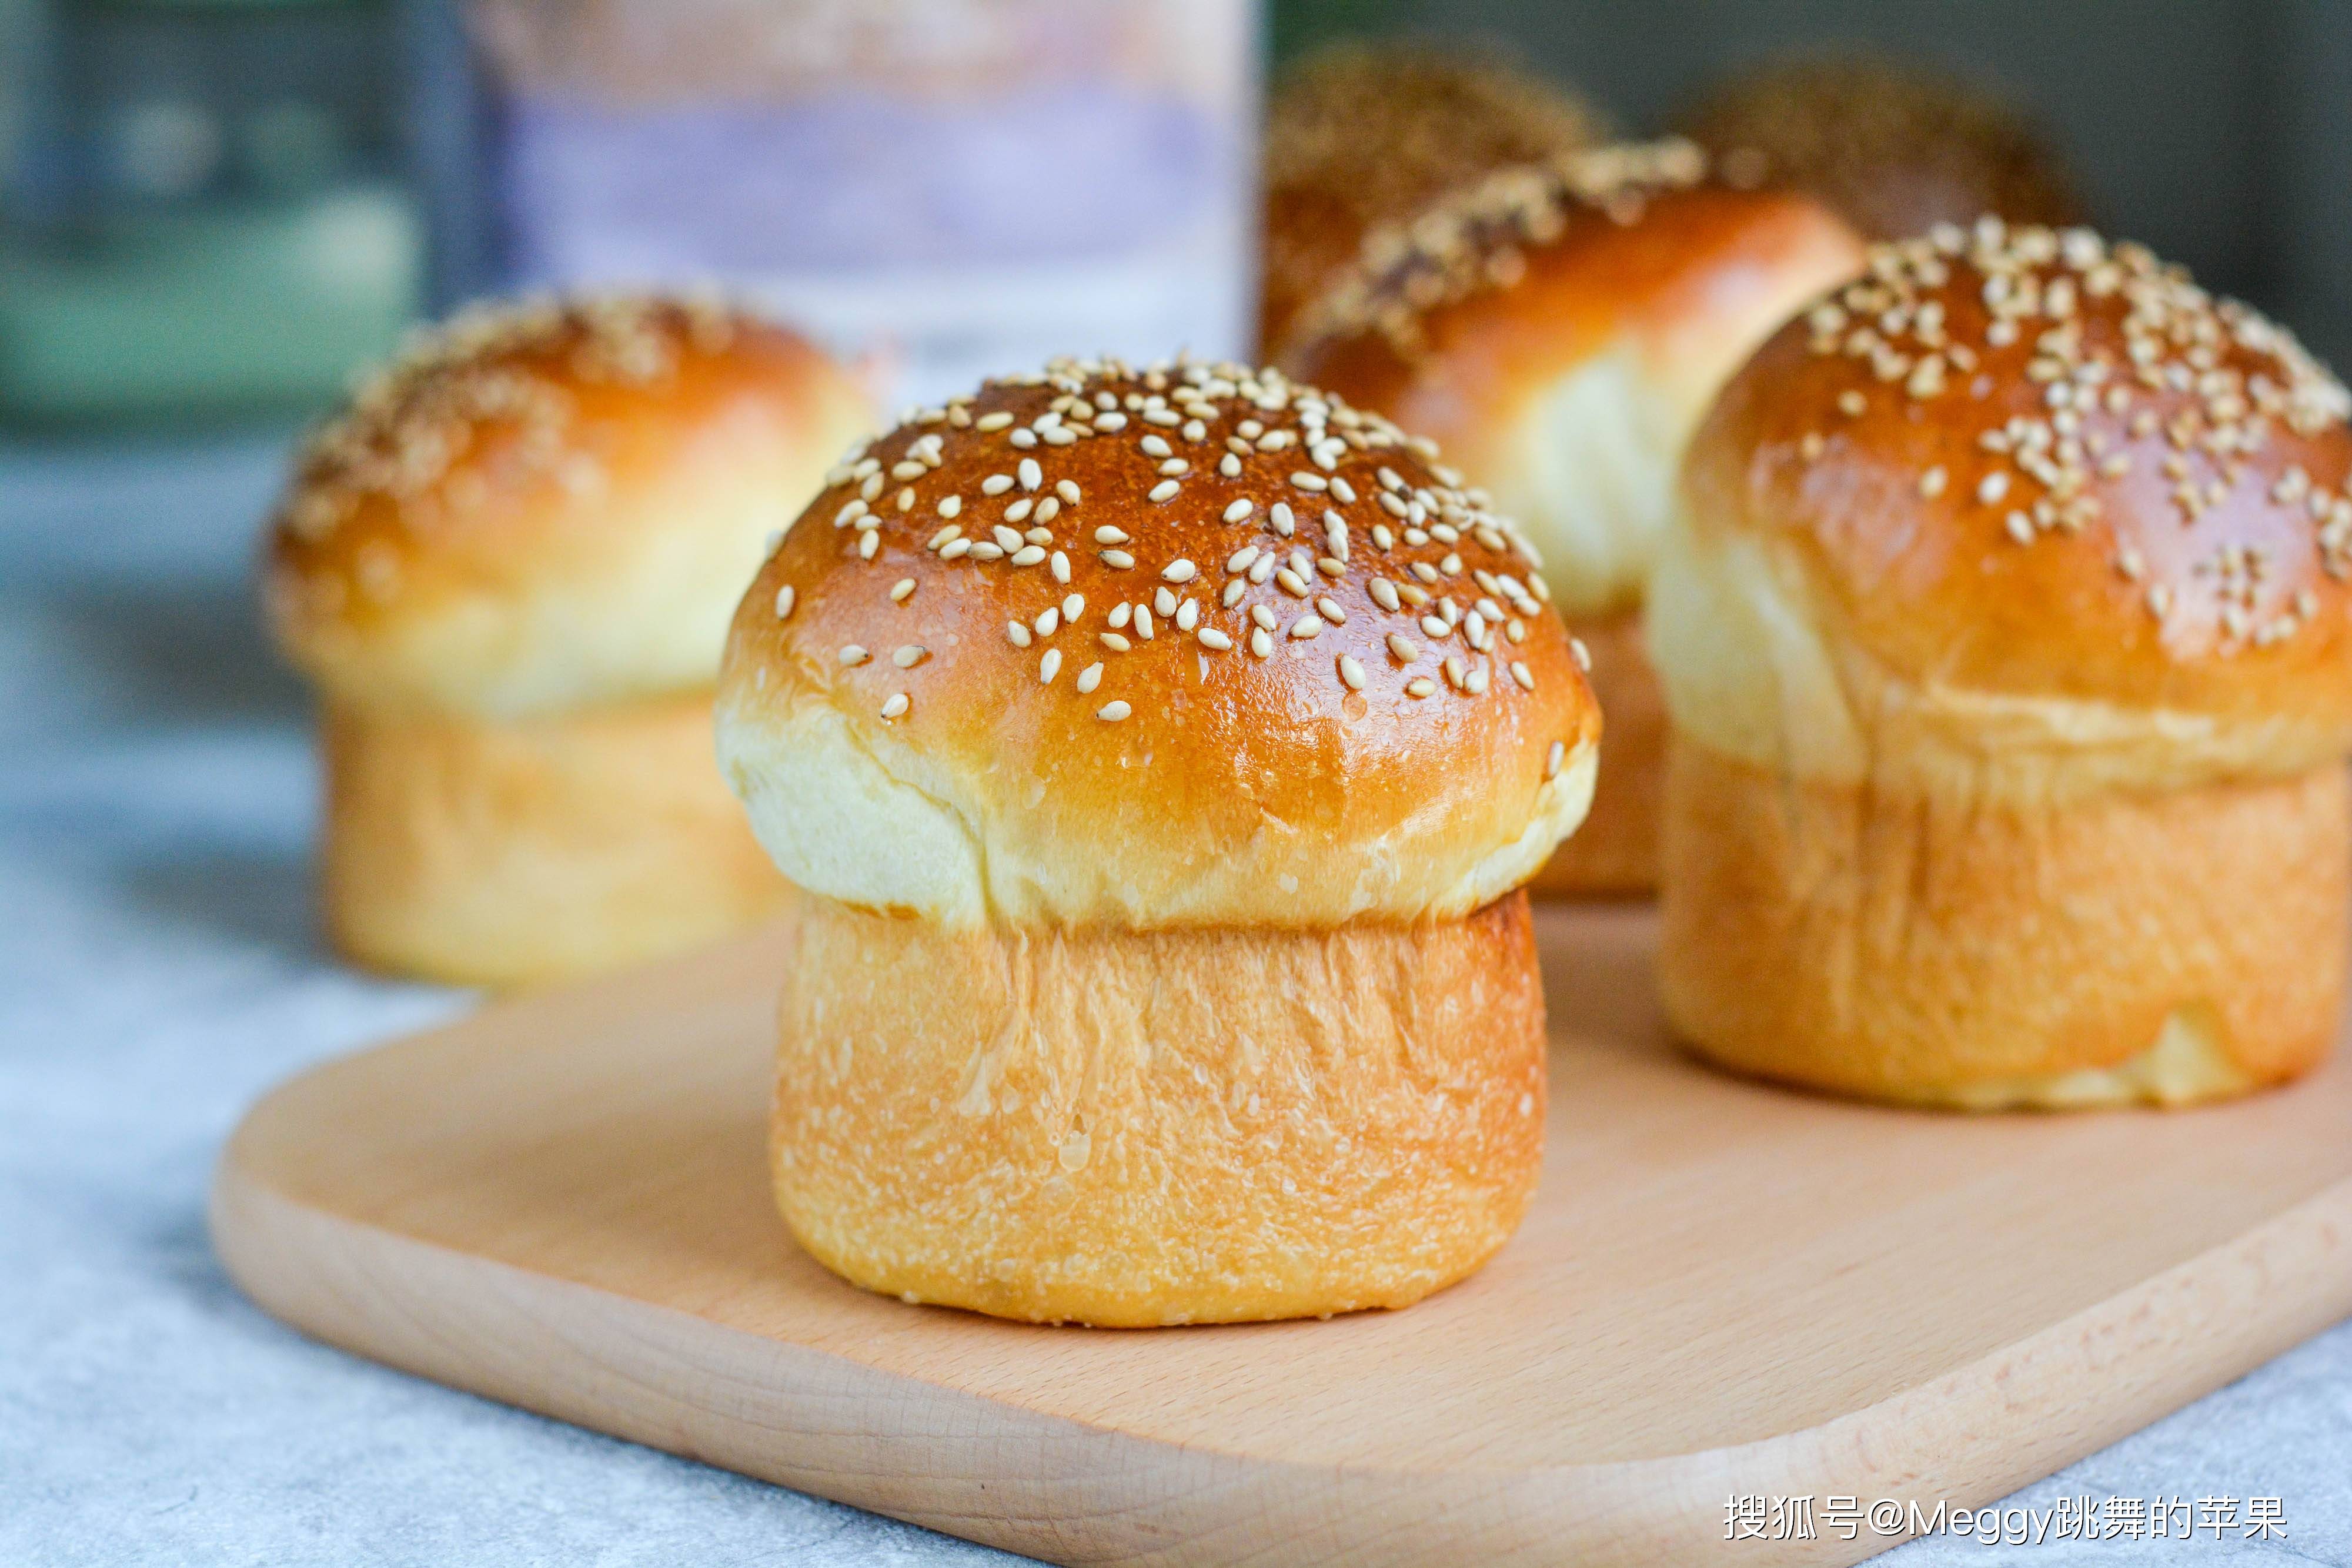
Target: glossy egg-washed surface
{"type": "Point", "coordinates": [550, 502]}
{"type": "Point", "coordinates": [1172, 645]}
{"type": "Point", "coordinates": [2033, 464]}
{"type": "Point", "coordinates": [1451, 323]}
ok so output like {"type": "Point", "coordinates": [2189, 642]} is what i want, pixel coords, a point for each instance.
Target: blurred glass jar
{"type": "Point", "coordinates": [943, 188]}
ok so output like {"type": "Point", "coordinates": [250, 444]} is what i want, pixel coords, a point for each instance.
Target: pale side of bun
{"type": "Point", "coordinates": [2018, 513]}
{"type": "Point", "coordinates": [1561, 329]}
{"type": "Point", "coordinates": [1358, 136]}
{"type": "Point", "coordinates": [2143, 947]}
{"type": "Point", "coordinates": [553, 505]}
{"type": "Point", "coordinates": [1131, 1129]}
{"type": "Point", "coordinates": [1181, 646]}
{"type": "Point", "coordinates": [509, 853]}
{"type": "Point", "coordinates": [1615, 853]}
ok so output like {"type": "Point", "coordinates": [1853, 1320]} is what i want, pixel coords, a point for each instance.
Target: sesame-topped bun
{"type": "Point", "coordinates": [1163, 749]}
{"type": "Point", "coordinates": [1561, 328]}
{"type": "Point", "coordinates": [1895, 151]}
{"type": "Point", "coordinates": [2005, 637]}
{"type": "Point", "coordinates": [550, 505]}
{"type": "Point", "coordinates": [1180, 647]}
{"type": "Point", "coordinates": [1361, 135]}
{"type": "Point", "coordinates": [509, 565]}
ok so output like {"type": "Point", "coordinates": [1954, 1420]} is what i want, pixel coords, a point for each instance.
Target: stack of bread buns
{"type": "Point", "coordinates": [1561, 328]}
{"type": "Point", "coordinates": [2004, 628]}
{"type": "Point", "coordinates": [1161, 798]}
{"type": "Point", "coordinates": [508, 566]}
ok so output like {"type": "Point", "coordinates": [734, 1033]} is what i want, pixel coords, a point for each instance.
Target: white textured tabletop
{"type": "Point", "coordinates": [159, 968]}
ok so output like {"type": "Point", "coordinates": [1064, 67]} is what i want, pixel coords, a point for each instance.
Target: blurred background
{"type": "Point", "coordinates": [213, 212]}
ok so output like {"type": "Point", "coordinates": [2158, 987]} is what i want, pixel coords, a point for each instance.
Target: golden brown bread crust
{"type": "Point", "coordinates": [1358, 136]}
{"type": "Point", "coordinates": [1936, 950]}
{"type": "Point", "coordinates": [1132, 1129]}
{"type": "Point", "coordinates": [1895, 151]}
{"type": "Point", "coordinates": [519, 854]}
{"type": "Point", "coordinates": [551, 503]}
{"type": "Point", "coordinates": [1626, 275]}
{"type": "Point", "coordinates": [2037, 466]}
{"type": "Point", "coordinates": [1615, 853]}
{"type": "Point", "coordinates": [1453, 326]}
{"type": "Point", "coordinates": [1224, 652]}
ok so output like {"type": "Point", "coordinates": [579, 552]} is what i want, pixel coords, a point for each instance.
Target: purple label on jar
{"type": "Point", "coordinates": [857, 179]}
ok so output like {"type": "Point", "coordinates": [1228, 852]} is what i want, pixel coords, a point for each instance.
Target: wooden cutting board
{"type": "Point", "coordinates": [1724, 1288]}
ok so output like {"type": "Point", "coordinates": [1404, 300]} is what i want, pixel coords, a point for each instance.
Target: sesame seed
{"type": "Point", "coordinates": [1110, 536]}
{"type": "Point", "coordinates": [950, 506]}
{"type": "Point", "coordinates": [1142, 623]}
{"type": "Point", "coordinates": [1309, 481]}
{"type": "Point", "coordinates": [854, 654]}
{"type": "Point", "coordinates": [1283, 519]}
{"type": "Point", "coordinates": [902, 591]}
{"type": "Point", "coordinates": [955, 549]}
{"type": "Point", "coordinates": [1305, 627]}
{"type": "Point", "coordinates": [1521, 674]}
{"type": "Point", "coordinates": [785, 597]}
{"type": "Point", "coordinates": [1851, 404]}
{"type": "Point", "coordinates": [1073, 606]}
{"type": "Point", "coordinates": [1212, 638]}
{"type": "Point", "coordinates": [1164, 490]}
{"type": "Point", "coordinates": [2021, 528]}
{"type": "Point", "coordinates": [1116, 643]}
{"type": "Point", "coordinates": [1345, 491]}
{"type": "Point", "coordinates": [1261, 644]}
{"type": "Point", "coordinates": [1067, 491]}
{"type": "Point", "coordinates": [992, 422]}
{"type": "Point", "coordinates": [1017, 511]}
{"type": "Point", "coordinates": [1992, 487]}
{"type": "Point", "coordinates": [1420, 686]}
{"type": "Point", "coordinates": [1234, 591]}
{"type": "Point", "coordinates": [1049, 666]}
{"type": "Point", "coordinates": [996, 484]}
{"type": "Point", "coordinates": [1436, 626]}
{"type": "Point", "coordinates": [1329, 610]}
{"type": "Point", "coordinates": [1031, 475]}
{"type": "Point", "coordinates": [1090, 677]}
{"type": "Point", "coordinates": [1402, 649]}
{"type": "Point", "coordinates": [1112, 711]}
{"type": "Point", "coordinates": [1023, 438]}
{"type": "Point", "coordinates": [1583, 654]}
{"type": "Point", "coordinates": [1163, 600]}
{"type": "Point", "coordinates": [1028, 555]}
{"type": "Point", "coordinates": [1931, 483]}
{"type": "Point", "coordinates": [1238, 510]}
{"type": "Point", "coordinates": [1179, 571]}
{"type": "Point", "coordinates": [1554, 757]}
{"type": "Point", "coordinates": [868, 543]}
{"type": "Point", "coordinates": [1117, 560]}
{"type": "Point", "coordinates": [1352, 673]}
{"type": "Point", "coordinates": [896, 705]}
{"type": "Point", "coordinates": [914, 653]}
{"type": "Point", "coordinates": [1384, 593]}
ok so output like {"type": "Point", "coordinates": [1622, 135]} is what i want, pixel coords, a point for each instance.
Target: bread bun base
{"type": "Point", "coordinates": [496, 853]}
{"type": "Point", "coordinates": [1131, 1129]}
{"type": "Point", "coordinates": [2153, 948]}
{"type": "Point", "coordinates": [1615, 853]}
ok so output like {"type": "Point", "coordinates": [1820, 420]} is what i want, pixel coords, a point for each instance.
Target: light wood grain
{"type": "Point", "coordinates": [1724, 1288]}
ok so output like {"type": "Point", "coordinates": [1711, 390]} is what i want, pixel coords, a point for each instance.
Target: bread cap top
{"type": "Point", "coordinates": [552, 504]}
{"type": "Point", "coordinates": [1181, 645]}
{"type": "Point", "coordinates": [2017, 462]}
